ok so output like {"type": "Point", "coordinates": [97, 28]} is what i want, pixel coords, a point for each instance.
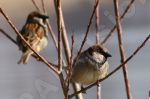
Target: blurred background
{"type": "Point", "coordinates": [36, 81]}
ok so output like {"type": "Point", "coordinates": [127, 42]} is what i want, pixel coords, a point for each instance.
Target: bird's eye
{"type": "Point", "coordinates": [90, 50]}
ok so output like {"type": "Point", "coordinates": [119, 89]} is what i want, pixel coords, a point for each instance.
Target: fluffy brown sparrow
{"type": "Point", "coordinates": [35, 32]}
{"type": "Point", "coordinates": [91, 65]}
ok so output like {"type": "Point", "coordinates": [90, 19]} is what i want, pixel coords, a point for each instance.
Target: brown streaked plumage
{"type": "Point", "coordinates": [35, 32]}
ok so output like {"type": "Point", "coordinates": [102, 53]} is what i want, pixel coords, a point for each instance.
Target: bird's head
{"type": "Point", "coordinates": [100, 50]}
{"type": "Point", "coordinates": [37, 16]}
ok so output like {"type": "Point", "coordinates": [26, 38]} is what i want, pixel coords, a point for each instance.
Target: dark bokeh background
{"type": "Point", "coordinates": [36, 81]}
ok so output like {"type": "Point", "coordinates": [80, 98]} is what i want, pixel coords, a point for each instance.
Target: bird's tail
{"type": "Point", "coordinates": [25, 57]}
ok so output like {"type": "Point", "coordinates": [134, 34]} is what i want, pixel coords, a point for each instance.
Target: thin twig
{"type": "Point", "coordinates": [122, 16]}
{"type": "Point", "coordinates": [52, 34]}
{"type": "Point", "coordinates": [99, 90]}
{"type": "Point", "coordinates": [72, 47]}
{"type": "Point", "coordinates": [83, 42]}
{"type": "Point", "coordinates": [9, 37]}
{"type": "Point", "coordinates": [121, 48]}
{"type": "Point", "coordinates": [115, 70]}
{"type": "Point", "coordinates": [36, 6]}
{"type": "Point", "coordinates": [66, 46]}
{"type": "Point", "coordinates": [59, 37]}
{"type": "Point", "coordinates": [48, 23]}
{"type": "Point", "coordinates": [97, 18]}
{"type": "Point", "coordinates": [60, 33]}
{"type": "Point", "coordinates": [71, 57]}
{"type": "Point", "coordinates": [56, 46]}
{"type": "Point", "coordinates": [50, 31]}
{"type": "Point", "coordinates": [22, 38]}
{"type": "Point", "coordinates": [43, 6]}
{"type": "Point", "coordinates": [87, 31]}
{"type": "Point", "coordinates": [63, 85]}
{"type": "Point", "coordinates": [70, 65]}
{"type": "Point", "coordinates": [64, 34]}
{"type": "Point", "coordinates": [49, 27]}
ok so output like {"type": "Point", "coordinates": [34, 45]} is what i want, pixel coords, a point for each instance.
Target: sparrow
{"type": "Point", "coordinates": [35, 33]}
{"type": "Point", "coordinates": [91, 66]}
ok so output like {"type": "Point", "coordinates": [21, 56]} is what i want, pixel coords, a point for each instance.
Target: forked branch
{"type": "Point", "coordinates": [122, 16]}
{"type": "Point", "coordinates": [22, 38]}
{"type": "Point", "coordinates": [121, 48]}
{"type": "Point", "coordinates": [115, 70]}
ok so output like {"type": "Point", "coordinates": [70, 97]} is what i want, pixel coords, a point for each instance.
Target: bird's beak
{"type": "Point", "coordinates": [108, 54]}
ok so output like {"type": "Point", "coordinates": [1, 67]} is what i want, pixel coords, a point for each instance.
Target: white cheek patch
{"type": "Point", "coordinates": [39, 20]}
{"type": "Point", "coordinates": [98, 57]}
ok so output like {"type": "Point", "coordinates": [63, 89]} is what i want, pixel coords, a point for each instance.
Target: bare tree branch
{"type": "Point", "coordinates": [122, 16]}
{"type": "Point", "coordinates": [87, 31]}
{"type": "Point", "coordinates": [9, 37]}
{"type": "Point", "coordinates": [59, 36]}
{"type": "Point", "coordinates": [64, 34]}
{"type": "Point", "coordinates": [22, 38]}
{"type": "Point", "coordinates": [43, 6]}
{"type": "Point", "coordinates": [48, 23]}
{"type": "Point", "coordinates": [97, 17]}
{"type": "Point", "coordinates": [121, 48]}
{"type": "Point", "coordinates": [36, 6]}
{"type": "Point", "coordinates": [99, 90]}
{"type": "Point", "coordinates": [115, 70]}
{"type": "Point", "coordinates": [70, 65]}
{"type": "Point", "coordinates": [66, 45]}
{"type": "Point", "coordinates": [97, 20]}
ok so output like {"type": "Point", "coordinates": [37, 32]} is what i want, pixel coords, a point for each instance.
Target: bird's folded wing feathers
{"type": "Point", "coordinates": [32, 32]}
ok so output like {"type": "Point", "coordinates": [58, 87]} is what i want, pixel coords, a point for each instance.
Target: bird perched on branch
{"type": "Point", "coordinates": [35, 33]}
{"type": "Point", "coordinates": [91, 65]}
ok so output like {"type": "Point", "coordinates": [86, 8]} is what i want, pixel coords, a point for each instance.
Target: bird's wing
{"type": "Point", "coordinates": [32, 32]}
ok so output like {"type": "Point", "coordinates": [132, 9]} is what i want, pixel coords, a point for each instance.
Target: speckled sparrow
{"type": "Point", "coordinates": [35, 33]}
{"type": "Point", "coordinates": [91, 65]}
